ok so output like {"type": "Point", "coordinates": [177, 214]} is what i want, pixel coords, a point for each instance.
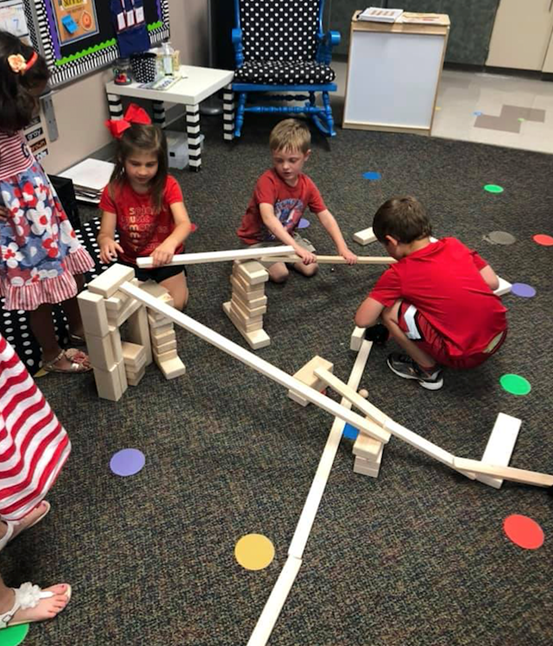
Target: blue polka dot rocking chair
{"type": "Point", "coordinates": [280, 47]}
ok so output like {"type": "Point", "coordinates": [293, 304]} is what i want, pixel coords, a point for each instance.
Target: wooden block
{"type": "Point", "coordinates": [116, 302]}
{"type": "Point", "coordinates": [159, 331]}
{"type": "Point", "coordinates": [116, 344]}
{"type": "Point", "coordinates": [504, 287]}
{"type": "Point", "coordinates": [139, 332]}
{"type": "Point", "coordinates": [133, 354]}
{"type": "Point", "coordinates": [246, 306]}
{"type": "Point", "coordinates": [161, 339]}
{"type": "Point", "coordinates": [155, 289]}
{"type": "Point", "coordinates": [108, 383]}
{"type": "Point", "coordinates": [93, 313]}
{"type": "Point", "coordinates": [248, 323]}
{"type": "Point", "coordinates": [120, 317]}
{"type": "Point", "coordinates": [256, 340]}
{"type": "Point", "coordinates": [507, 473]}
{"type": "Point", "coordinates": [164, 347]}
{"type": "Point", "coordinates": [367, 447]}
{"type": "Point", "coordinates": [172, 368]}
{"type": "Point", "coordinates": [360, 468]}
{"type": "Point", "coordinates": [306, 374]}
{"type": "Point", "coordinates": [252, 272]}
{"type": "Point", "coordinates": [109, 281]}
{"type": "Point", "coordinates": [159, 321]}
{"type": "Point", "coordinates": [254, 298]}
{"type": "Point", "coordinates": [297, 398]}
{"type": "Point", "coordinates": [160, 357]}
{"type": "Point", "coordinates": [100, 351]}
{"type": "Point", "coordinates": [500, 446]}
{"type": "Point", "coordinates": [134, 378]}
{"type": "Point", "coordinates": [357, 338]}
{"type": "Point", "coordinates": [253, 291]}
{"type": "Point", "coordinates": [122, 374]}
{"type": "Point", "coordinates": [365, 236]}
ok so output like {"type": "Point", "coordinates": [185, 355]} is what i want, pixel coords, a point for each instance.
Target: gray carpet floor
{"type": "Point", "coordinates": [416, 557]}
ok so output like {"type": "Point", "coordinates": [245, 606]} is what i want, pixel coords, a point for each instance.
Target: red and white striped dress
{"type": "Point", "coordinates": [33, 444]}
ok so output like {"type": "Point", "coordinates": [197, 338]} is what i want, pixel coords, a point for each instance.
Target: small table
{"type": "Point", "coordinates": [197, 84]}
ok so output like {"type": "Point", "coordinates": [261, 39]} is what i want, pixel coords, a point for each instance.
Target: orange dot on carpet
{"type": "Point", "coordinates": [523, 531]}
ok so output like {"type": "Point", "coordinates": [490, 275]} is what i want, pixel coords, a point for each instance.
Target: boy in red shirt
{"type": "Point", "coordinates": [437, 301]}
{"type": "Point", "coordinates": [280, 198]}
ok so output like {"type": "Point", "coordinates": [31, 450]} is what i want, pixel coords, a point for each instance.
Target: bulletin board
{"type": "Point", "coordinates": [78, 36]}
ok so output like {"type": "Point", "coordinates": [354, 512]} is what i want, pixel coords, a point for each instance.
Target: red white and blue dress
{"type": "Point", "coordinates": [39, 251]}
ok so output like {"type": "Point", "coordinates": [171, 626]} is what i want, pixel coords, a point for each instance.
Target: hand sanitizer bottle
{"type": "Point", "coordinates": [167, 53]}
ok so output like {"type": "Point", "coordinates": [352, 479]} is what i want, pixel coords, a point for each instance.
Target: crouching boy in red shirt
{"type": "Point", "coordinates": [437, 301]}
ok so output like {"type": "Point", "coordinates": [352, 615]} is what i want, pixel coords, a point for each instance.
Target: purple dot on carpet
{"type": "Point", "coordinates": [524, 290]}
{"type": "Point", "coordinates": [127, 462]}
{"type": "Point", "coordinates": [303, 224]}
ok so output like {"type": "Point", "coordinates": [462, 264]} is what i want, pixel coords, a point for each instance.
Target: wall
{"type": "Point", "coordinates": [81, 107]}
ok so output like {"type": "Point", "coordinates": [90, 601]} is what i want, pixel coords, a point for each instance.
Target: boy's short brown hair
{"type": "Point", "coordinates": [402, 218]}
{"type": "Point", "coordinates": [290, 134]}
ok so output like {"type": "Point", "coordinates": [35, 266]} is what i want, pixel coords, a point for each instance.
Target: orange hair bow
{"type": "Point", "coordinates": [19, 65]}
{"type": "Point", "coordinates": [134, 114]}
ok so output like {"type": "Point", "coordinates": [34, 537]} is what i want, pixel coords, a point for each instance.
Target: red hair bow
{"type": "Point", "coordinates": [134, 114]}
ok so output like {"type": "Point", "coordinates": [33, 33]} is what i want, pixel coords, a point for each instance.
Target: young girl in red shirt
{"type": "Point", "coordinates": [144, 204]}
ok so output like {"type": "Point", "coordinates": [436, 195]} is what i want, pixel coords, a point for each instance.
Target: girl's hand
{"type": "Point", "coordinates": [349, 256]}
{"type": "Point", "coordinates": [108, 251]}
{"type": "Point", "coordinates": [163, 254]}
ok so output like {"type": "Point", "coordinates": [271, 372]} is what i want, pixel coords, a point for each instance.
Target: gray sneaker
{"type": "Point", "coordinates": [405, 367]}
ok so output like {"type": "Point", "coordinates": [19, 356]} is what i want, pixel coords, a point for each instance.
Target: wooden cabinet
{"type": "Point", "coordinates": [521, 34]}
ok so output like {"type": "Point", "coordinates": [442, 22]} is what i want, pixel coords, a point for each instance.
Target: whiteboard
{"type": "Point", "coordinates": [12, 18]}
{"type": "Point", "coordinates": [392, 78]}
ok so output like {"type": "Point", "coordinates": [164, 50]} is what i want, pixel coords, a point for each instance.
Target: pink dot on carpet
{"type": "Point", "coordinates": [544, 240]}
{"type": "Point", "coordinates": [523, 531]}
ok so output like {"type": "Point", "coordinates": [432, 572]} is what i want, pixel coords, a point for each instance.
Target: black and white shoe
{"type": "Point", "coordinates": [405, 367]}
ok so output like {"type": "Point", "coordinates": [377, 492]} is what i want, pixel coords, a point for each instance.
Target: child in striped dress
{"type": "Point", "coordinates": [41, 260]}
{"type": "Point", "coordinates": [33, 448]}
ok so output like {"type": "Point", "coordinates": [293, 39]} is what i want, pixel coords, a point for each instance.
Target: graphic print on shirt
{"type": "Point", "coordinates": [142, 226]}
{"type": "Point", "coordinates": [288, 212]}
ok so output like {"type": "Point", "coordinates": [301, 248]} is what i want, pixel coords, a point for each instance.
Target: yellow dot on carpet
{"type": "Point", "coordinates": [254, 551]}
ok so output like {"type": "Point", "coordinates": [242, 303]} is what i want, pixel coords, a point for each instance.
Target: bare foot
{"type": "Point", "coordinates": [29, 520]}
{"type": "Point", "coordinates": [45, 609]}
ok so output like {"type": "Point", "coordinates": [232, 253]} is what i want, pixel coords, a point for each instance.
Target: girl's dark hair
{"type": "Point", "coordinates": [17, 103]}
{"type": "Point", "coordinates": [143, 138]}
{"type": "Point", "coordinates": [403, 218]}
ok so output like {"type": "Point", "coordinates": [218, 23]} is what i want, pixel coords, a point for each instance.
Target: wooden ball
{"type": "Point", "coordinates": [364, 393]}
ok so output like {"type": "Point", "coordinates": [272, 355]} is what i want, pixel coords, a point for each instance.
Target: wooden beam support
{"type": "Point", "coordinates": [218, 256]}
{"type": "Point", "coordinates": [334, 260]}
{"type": "Point", "coordinates": [250, 359]}
{"type": "Point", "coordinates": [507, 473]}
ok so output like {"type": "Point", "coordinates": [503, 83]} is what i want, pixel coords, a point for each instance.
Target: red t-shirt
{"type": "Point", "coordinates": [443, 282]}
{"type": "Point", "coordinates": [289, 203]}
{"type": "Point", "coordinates": [140, 228]}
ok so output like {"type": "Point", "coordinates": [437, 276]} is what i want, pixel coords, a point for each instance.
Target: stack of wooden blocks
{"type": "Point", "coordinates": [307, 376]}
{"type": "Point", "coordinates": [248, 302]}
{"type": "Point", "coordinates": [368, 454]}
{"type": "Point", "coordinates": [162, 333]}
{"type": "Point", "coordinates": [134, 357]}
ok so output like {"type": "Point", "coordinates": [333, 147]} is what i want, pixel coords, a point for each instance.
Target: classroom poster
{"type": "Point", "coordinates": [74, 19]}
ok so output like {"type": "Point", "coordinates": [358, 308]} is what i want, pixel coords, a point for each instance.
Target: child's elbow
{"type": "Point", "coordinates": [494, 283]}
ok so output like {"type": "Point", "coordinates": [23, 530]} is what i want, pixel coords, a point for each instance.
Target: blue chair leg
{"type": "Point", "coordinates": [240, 114]}
{"type": "Point", "coordinates": [328, 115]}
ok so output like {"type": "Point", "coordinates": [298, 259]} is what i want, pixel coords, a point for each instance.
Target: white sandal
{"type": "Point", "coordinates": [12, 524]}
{"type": "Point", "coordinates": [26, 596]}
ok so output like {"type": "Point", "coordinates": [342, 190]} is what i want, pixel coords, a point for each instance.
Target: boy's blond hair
{"type": "Point", "coordinates": [290, 134]}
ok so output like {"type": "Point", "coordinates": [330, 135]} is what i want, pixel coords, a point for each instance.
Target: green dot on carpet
{"type": "Point", "coordinates": [13, 635]}
{"type": "Point", "coordinates": [493, 188]}
{"type": "Point", "coordinates": [515, 384]}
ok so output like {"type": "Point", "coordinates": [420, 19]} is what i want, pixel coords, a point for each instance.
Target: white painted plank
{"type": "Point", "coordinates": [507, 473]}
{"type": "Point", "coordinates": [272, 608]}
{"type": "Point", "coordinates": [219, 256]}
{"type": "Point", "coordinates": [500, 446]}
{"type": "Point", "coordinates": [334, 260]}
{"type": "Point", "coordinates": [250, 359]}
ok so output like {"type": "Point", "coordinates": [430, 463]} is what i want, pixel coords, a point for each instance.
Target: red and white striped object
{"type": "Point", "coordinates": [33, 444]}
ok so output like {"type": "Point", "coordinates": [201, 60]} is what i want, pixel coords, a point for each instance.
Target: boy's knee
{"type": "Point", "coordinates": [278, 274]}
{"type": "Point", "coordinates": [307, 270]}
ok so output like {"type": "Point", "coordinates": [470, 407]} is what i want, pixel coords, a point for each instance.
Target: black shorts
{"type": "Point", "coordinates": [157, 274]}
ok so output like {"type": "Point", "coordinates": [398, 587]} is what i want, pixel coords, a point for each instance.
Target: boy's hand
{"type": "Point", "coordinates": [163, 254]}
{"type": "Point", "coordinates": [307, 257]}
{"type": "Point", "coordinates": [349, 256]}
{"type": "Point", "coordinates": [108, 251]}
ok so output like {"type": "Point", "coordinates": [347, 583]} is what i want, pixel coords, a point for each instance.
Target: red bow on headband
{"type": "Point", "coordinates": [134, 114]}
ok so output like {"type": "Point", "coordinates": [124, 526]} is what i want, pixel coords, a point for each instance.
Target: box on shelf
{"type": "Point", "coordinates": [177, 148]}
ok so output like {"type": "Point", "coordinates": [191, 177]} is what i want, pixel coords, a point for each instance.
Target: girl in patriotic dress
{"type": "Point", "coordinates": [41, 260]}
{"type": "Point", "coordinates": [33, 449]}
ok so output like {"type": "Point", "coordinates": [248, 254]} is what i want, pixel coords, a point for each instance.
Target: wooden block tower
{"type": "Point", "coordinates": [307, 376]}
{"type": "Point", "coordinates": [248, 302]}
